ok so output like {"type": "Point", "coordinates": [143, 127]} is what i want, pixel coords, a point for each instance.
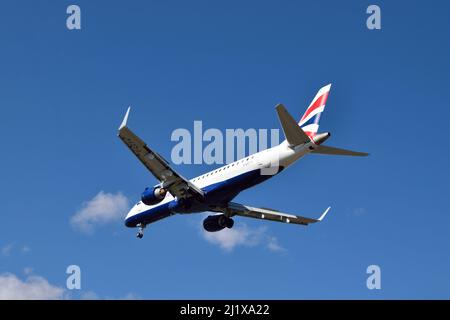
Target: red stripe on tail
{"type": "Point", "coordinates": [317, 104]}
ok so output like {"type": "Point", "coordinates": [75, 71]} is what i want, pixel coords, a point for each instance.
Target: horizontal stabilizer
{"type": "Point", "coordinates": [294, 134]}
{"type": "Point", "coordinates": [336, 151]}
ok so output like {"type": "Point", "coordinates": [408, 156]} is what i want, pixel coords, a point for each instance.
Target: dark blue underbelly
{"type": "Point", "coordinates": [223, 192]}
{"type": "Point", "coordinates": [219, 193]}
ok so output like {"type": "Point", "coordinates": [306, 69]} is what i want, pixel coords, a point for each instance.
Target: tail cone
{"type": "Point", "coordinates": [321, 137]}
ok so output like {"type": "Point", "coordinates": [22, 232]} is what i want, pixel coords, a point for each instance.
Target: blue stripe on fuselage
{"type": "Point", "coordinates": [219, 193]}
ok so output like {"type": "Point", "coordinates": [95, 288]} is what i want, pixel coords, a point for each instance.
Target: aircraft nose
{"type": "Point", "coordinates": [129, 219]}
{"type": "Point", "coordinates": [128, 223]}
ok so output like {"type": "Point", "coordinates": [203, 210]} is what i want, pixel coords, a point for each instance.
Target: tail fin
{"type": "Point", "coordinates": [293, 133]}
{"type": "Point", "coordinates": [310, 119]}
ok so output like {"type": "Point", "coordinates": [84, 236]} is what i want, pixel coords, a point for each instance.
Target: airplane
{"type": "Point", "coordinates": [215, 190]}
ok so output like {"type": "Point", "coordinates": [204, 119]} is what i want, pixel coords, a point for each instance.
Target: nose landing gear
{"type": "Point", "coordinates": [140, 233]}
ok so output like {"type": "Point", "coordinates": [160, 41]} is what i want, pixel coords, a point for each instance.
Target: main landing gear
{"type": "Point", "coordinates": [140, 233]}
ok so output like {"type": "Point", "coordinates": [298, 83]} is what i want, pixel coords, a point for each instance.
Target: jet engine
{"type": "Point", "coordinates": [154, 195]}
{"type": "Point", "coordinates": [217, 223]}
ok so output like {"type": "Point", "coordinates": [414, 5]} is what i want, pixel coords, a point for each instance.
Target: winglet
{"type": "Point", "coordinates": [125, 119]}
{"type": "Point", "coordinates": [324, 214]}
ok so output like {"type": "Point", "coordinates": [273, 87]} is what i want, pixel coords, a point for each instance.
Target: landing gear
{"type": "Point", "coordinates": [229, 223]}
{"type": "Point", "coordinates": [140, 233]}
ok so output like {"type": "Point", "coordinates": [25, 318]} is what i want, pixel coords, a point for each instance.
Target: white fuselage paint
{"type": "Point", "coordinates": [280, 155]}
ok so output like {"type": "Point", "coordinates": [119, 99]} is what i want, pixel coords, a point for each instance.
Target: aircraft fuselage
{"type": "Point", "coordinates": [223, 184]}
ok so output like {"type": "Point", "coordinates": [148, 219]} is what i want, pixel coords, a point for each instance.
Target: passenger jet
{"type": "Point", "coordinates": [215, 190]}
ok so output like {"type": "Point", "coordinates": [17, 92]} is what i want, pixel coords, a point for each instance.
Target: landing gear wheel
{"type": "Point", "coordinates": [230, 223]}
{"type": "Point", "coordinates": [222, 221]}
{"type": "Point", "coordinates": [140, 233]}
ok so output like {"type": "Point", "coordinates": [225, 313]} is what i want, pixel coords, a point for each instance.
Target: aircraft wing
{"type": "Point", "coordinates": [176, 184]}
{"type": "Point", "coordinates": [269, 214]}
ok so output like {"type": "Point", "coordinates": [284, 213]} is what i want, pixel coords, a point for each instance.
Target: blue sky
{"type": "Point", "coordinates": [227, 63]}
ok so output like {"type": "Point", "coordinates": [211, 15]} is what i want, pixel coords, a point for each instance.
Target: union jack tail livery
{"type": "Point", "coordinates": [310, 120]}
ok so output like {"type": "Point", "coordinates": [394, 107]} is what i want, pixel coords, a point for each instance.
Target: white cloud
{"type": "Point", "coordinates": [32, 288]}
{"type": "Point", "coordinates": [89, 295]}
{"type": "Point", "coordinates": [28, 271]}
{"type": "Point", "coordinates": [102, 209]}
{"type": "Point", "coordinates": [26, 249]}
{"type": "Point", "coordinates": [274, 246]}
{"type": "Point", "coordinates": [6, 249]}
{"type": "Point", "coordinates": [38, 288]}
{"type": "Point", "coordinates": [360, 211]}
{"type": "Point", "coordinates": [130, 296]}
{"type": "Point", "coordinates": [242, 235]}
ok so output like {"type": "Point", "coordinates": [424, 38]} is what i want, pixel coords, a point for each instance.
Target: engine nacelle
{"type": "Point", "coordinates": [152, 196]}
{"type": "Point", "coordinates": [217, 223]}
